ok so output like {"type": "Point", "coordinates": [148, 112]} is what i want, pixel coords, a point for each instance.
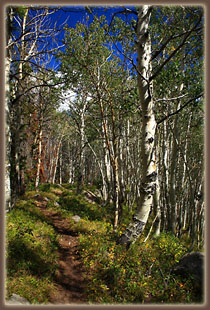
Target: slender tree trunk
{"type": "Point", "coordinates": [157, 224]}
{"type": "Point", "coordinates": [8, 194]}
{"type": "Point", "coordinates": [81, 168]}
{"type": "Point", "coordinates": [51, 159]}
{"type": "Point", "coordinates": [112, 148]}
{"type": "Point", "coordinates": [107, 168]}
{"type": "Point", "coordinates": [172, 190]}
{"type": "Point", "coordinates": [182, 211]}
{"type": "Point", "coordinates": [15, 151]}
{"type": "Point", "coordinates": [157, 210]}
{"type": "Point", "coordinates": [113, 158]}
{"type": "Point", "coordinates": [116, 194]}
{"type": "Point", "coordinates": [71, 166]}
{"type": "Point", "coordinates": [39, 156]}
{"type": "Point", "coordinates": [130, 191]}
{"type": "Point", "coordinates": [60, 168]}
{"type": "Point", "coordinates": [149, 175]}
{"type": "Point", "coordinates": [115, 167]}
{"type": "Point", "coordinates": [165, 175]}
{"type": "Point", "coordinates": [121, 162]}
{"type": "Point", "coordinates": [104, 185]}
{"type": "Point", "coordinates": [7, 137]}
{"type": "Point", "coordinates": [56, 160]}
{"type": "Point", "coordinates": [83, 143]}
{"type": "Point", "coordinates": [17, 164]}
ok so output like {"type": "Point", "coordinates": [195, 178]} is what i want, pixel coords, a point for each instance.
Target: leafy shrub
{"type": "Point", "coordinates": [169, 247]}
{"type": "Point", "coordinates": [140, 274]}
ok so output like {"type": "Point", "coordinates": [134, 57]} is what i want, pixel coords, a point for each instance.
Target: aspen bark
{"type": "Point", "coordinates": [104, 185]}
{"type": "Point", "coordinates": [107, 168]}
{"type": "Point", "coordinates": [39, 158]}
{"type": "Point", "coordinates": [81, 168]}
{"type": "Point", "coordinates": [7, 137]}
{"type": "Point", "coordinates": [165, 175]}
{"type": "Point", "coordinates": [111, 147]}
{"type": "Point", "coordinates": [182, 210]}
{"type": "Point", "coordinates": [130, 192]}
{"type": "Point", "coordinates": [113, 159]}
{"type": "Point", "coordinates": [17, 165]}
{"type": "Point", "coordinates": [115, 167]}
{"type": "Point", "coordinates": [149, 175]}
{"type": "Point", "coordinates": [8, 194]}
{"type": "Point", "coordinates": [60, 168]}
{"type": "Point", "coordinates": [71, 165]}
{"type": "Point", "coordinates": [50, 162]}
{"type": "Point", "coordinates": [157, 210]}
{"type": "Point", "coordinates": [121, 162]}
{"type": "Point", "coordinates": [56, 160]}
{"type": "Point", "coordinates": [172, 190]}
{"type": "Point", "coordinates": [82, 145]}
{"type": "Point", "coordinates": [39, 155]}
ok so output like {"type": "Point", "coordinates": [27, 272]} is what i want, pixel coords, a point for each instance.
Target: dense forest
{"type": "Point", "coordinates": [104, 145]}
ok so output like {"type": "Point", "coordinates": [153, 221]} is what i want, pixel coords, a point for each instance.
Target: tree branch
{"type": "Point", "coordinates": [124, 11]}
{"type": "Point", "coordinates": [172, 37]}
{"type": "Point", "coordinates": [175, 51]}
{"type": "Point", "coordinates": [180, 109]}
{"type": "Point", "coordinates": [132, 62]}
{"type": "Point", "coordinates": [170, 99]}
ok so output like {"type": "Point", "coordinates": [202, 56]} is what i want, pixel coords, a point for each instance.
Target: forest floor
{"type": "Point", "coordinates": [69, 276]}
{"type": "Point", "coordinates": [54, 259]}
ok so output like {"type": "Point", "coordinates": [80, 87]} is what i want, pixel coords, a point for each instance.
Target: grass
{"type": "Point", "coordinates": [141, 274]}
{"type": "Point", "coordinates": [31, 244]}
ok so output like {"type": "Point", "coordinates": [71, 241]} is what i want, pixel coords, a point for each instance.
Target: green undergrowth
{"type": "Point", "coordinates": [140, 274]}
{"type": "Point", "coordinates": [31, 244]}
{"type": "Point", "coordinates": [114, 275]}
{"type": "Point", "coordinates": [77, 204]}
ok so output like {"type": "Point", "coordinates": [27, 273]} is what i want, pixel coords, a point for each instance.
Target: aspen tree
{"type": "Point", "coordinates": [148, 169]}
{"type": "Point", "coordinates": [7, 124]}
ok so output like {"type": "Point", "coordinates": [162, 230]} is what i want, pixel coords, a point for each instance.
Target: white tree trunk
{"type": "Point", "coordinates": [107, 165]}
{"type": "Point", "coordinates": [149, 175]}
{"type": "Point", "coordinates": [81, 168]}
{"type": "Point", "coordinates": [60, 168]}
{"type": "Point", "coordinates": [71, 166]}
{"type": "Point", "coordinates": [82, 132]}
{"type": "Point", "coordinates": [39, 158]}
{"type": "Point", "coordinates": [121, 161]}
{"type": "Point", "coordinates": [7, 137]}
{"type": "Point", "coordinates": [56, 160]}
{"type": "Point", "coordinates": [172, 190]}
{"type": "Point", "coordinates": [104, 185]}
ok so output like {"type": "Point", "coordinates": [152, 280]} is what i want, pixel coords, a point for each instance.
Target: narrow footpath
{"type": "Point", "coordinates": [69, 277]}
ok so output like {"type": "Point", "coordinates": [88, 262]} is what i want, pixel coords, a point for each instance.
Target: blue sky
{"type": "Point", "coordinates": [74, 17]}
{"type": "Point", "coordinates": [70, 15]}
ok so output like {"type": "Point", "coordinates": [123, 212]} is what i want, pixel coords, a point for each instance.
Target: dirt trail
{"type": "Point", "coordinates": [69, 277]}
